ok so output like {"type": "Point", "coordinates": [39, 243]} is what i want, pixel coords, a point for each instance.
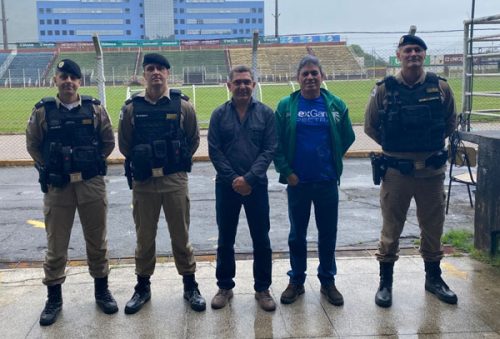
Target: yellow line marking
{"type": "Point", "coordinates": [453, 270]}
{"type": "Point", "coordinates": [36, 223]}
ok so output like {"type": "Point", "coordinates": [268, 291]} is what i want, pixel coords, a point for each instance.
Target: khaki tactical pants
{"type": "Point", "coordinates": [146, 211]}
{"type": "Point", "coordinates": [395, 196]}
{"type": "Point", "coordinates": [60, 205]}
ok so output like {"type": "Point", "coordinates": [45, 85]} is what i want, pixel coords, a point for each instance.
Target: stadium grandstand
{"type": "Point", "coordinates": [119, 67]}
{"type": "Point", "coordinates": [276, 63]}
{"type": "Point", "coordinates": [25, 69]}
{"type": "Point", "coordinates": [338, 61]}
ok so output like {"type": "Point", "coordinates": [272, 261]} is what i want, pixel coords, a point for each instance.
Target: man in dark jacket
{"type": "Point", "coordinates": [241, 145]}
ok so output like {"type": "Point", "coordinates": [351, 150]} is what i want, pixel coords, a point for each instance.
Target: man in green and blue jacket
{"type": "Point", "coordinates": [314, 133]}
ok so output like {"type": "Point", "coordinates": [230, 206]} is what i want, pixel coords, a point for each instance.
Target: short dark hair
{"type": "Point", "coordinates": [309, 60]}
{"type": "Point", "coordinates": [240, 69]}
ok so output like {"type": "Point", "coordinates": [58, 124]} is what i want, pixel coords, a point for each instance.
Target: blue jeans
{"type": "Point", "coordinates": [228, 205]}
{"type": "Point", "coordinates": [325, 197]}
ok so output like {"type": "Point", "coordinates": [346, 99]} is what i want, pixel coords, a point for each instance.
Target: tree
{"type": "Point", "coordinates": [371, 60]}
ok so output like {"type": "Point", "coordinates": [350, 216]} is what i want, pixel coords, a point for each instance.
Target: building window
{"type": "Point", "coordinates": [56, 21]}
{"type": "Point", "coordinates": [183, 31]}
{"type": "Point", "coordinates": [141, 15]}
{"type": "Point", "coordinates": [42, 32]}
{"type": "Point", "coordinates": [181, 10]}
{"type": "Point", "coordinates": [42, 22]}
{"type": "Point", "coordinates": [127, 21]}
{"type": "Point", "coordinates": [57, 32]}
{"type": "Point", "coordinates": [260, 10]}
{"type": "Point", "coordinates": [40, 10]}
{"type": "Point", "coordinates": [142, 26]}
{"type": "Point", "coordinates": [235, 31]}
{"type": "Point", "coordinates": [63, 21]}
{"type": "Point", "coordinates": [254, 10]}
{"type": "Point", "coordinates": [254, 21]}
{"type": "Point", "coordinates": [48, 10]}
{"type": "Point", "coordinates": [65, 32]}
{"type": "Point", "coordinates": [183, 21]}
{"type": "Point", "coordinates": [71, 32]}
{"type": "Point", "coordinates": [129, 32]}
{"type": "Point", "coordinates": [49, 32]}
{"type": "Point", "coordinates": [127, 10]}
{"type": "Point", "coordinates": [140, 4]}
{"type": "Point", "coordinates": [241, 21]}
{"type": "Point", "coordinates": [176, 21]}
{"type": "Point", "coordinates": [176, 31]}
{"type": "Point", "coordinates": [260, 21]}
{"type": "Point", "coordinates": [247, 20]}
{"type": "Point", "coordinates": [49, 21]}
{"type": "Point", "coordinates": [241, 31]}
{"type": "Point", "coordinates": [247, 30]}
{"type": "Point", "coordinates": [175, 10]}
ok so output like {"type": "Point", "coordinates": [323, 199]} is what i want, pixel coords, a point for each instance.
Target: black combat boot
{"type": "Point", "coordinates": [192, 293]}
{"type": "Point", "coordinates": [383, 297]}
{"type": "Point", "coordinates": [103, 296]}
{"type": "Point", "coordinates": [436, 285]}
{"type": "Point", "coordinates": [141, 295]}
{"type": "Point", "coordinates": [53, 305]}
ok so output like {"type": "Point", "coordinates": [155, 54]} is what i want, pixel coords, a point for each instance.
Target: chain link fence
{"type": "Point", "coordinates": [26, 77]}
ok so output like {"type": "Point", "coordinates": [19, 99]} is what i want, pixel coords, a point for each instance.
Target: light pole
{"type": "Point", "coordinates": [276, 15]}
{"type": "Point", "coordinates": [4, 28]}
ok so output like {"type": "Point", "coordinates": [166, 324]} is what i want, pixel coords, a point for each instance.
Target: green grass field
{"type": "Point", "coordinates": [17, 104]}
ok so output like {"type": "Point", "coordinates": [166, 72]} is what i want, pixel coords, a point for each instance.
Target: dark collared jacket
{"type": "Point", "coordinates": [243, 148]}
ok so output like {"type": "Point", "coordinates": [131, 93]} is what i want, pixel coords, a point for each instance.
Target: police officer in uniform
{"type": "Point", "coordinates": [410, 115]}
{"type": "Point", "coordinates": [158, 135]}
{"type": "Point", "coordinates": [70, 137]}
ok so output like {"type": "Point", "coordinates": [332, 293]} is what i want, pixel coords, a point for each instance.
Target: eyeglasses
{"type": "Point", "coordinates": [312, 73]}
{"type": "Point", "coordinates": [245, 82]}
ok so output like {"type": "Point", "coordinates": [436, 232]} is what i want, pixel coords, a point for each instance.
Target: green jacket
{"type": "Point", "coordinates": [342, 134]}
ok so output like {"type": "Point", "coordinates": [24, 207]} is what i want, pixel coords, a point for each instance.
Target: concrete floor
{"type": "Point", "coordinates": [415, 313]}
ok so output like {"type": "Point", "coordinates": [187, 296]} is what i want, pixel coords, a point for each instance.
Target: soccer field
{"type": "Point", "coordinates": [17, 103]}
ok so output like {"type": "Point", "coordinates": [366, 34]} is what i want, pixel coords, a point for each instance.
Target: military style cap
{"type": "Point", "coordinates": [155, 58]}
{"type": "Point", "coordinates": [409, 39]}
{"type": "Point", "coordinates": [69, 67]}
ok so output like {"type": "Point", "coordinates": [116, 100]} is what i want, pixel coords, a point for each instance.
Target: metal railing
{"type": "Point", "coordinates": [470, 71]}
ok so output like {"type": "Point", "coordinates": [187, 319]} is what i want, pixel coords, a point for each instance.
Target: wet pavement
{"type": "Point", "coordinates": [415, 313]}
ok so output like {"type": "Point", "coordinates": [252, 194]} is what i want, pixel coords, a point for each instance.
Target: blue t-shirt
{"type": "Point", "coordinates": [313, 160]}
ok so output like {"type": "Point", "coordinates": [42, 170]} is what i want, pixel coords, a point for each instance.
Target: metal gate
{"type": "Point", "coordinates": [482, 64]}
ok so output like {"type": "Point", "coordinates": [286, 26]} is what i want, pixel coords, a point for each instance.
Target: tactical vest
{"type": "Point", "coordinates": [414, 118]}
{"type": "Point", "coordinates": [159, 145]}
{"type": "Point", "coordinates": [71, 148]}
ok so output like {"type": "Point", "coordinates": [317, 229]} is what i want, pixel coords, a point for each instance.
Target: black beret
{"type": "Point", "coordinates": [69, 67]}
{"type": "Point", "coordinates": [412, 40]}
{"type": "Point", "coordinates": [155, 58]}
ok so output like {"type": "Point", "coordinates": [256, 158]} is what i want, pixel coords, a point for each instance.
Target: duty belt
{"type": "Point", "coordinates": [406, 166]}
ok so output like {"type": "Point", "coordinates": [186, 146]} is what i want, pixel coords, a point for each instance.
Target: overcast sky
{"type": "Point", "coordinates": [338, 16]}
{"type": "Point", "coordinates": [343, 16]}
